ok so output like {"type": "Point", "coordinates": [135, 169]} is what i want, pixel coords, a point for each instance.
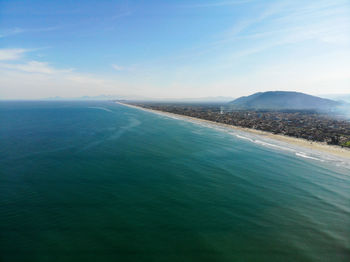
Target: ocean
{"type": "Point", "coordinates": [99, 181]}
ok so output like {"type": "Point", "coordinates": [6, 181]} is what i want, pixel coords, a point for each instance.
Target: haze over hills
{"type": "Point", "coordinates": [337, 97]}
{"type": "Point", "coordinates": [209, 99]}
{"type": "Point", "coordinates": [284, 100]}
{"type": "Point", "coordinates": [94, 98]}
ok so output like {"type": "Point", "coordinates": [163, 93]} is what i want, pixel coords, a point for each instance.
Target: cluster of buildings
{"type": "Point", "coordinates": [301, 124]}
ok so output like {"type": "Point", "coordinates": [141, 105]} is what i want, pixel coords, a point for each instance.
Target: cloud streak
{"type": "Point", "coordinates": [34, 67]}
{"type": "Point", "coordinates": [17, 30]}
{"type": "Point", "coordinates": [12, 53]}
{"type": "Point", "coordinates": [216, 4]}
{"type": "Point", "coordinates": [117, 67]}
{"type": "Point", "coordinates": [247, 46]}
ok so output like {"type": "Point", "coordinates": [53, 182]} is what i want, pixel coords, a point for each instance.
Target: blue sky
{"type": "Point", "coordinates": [173, 49]}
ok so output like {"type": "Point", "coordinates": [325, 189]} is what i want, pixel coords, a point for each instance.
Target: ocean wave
{"type": "Point", "coordinates": [244, 138]}
{"type": "Point", "coordinates": [300, 154]}
{"type": "Point", "coordinates": [264, 143]}
{"type": "Point", "coordinates": [259, 140]}
{"type": "Point", "coordinates": [273, 145]}
{"type": "Point", "coordinates": [100, 108]}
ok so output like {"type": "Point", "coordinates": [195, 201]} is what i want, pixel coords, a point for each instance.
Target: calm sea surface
{"type": "Point", "coordinates": [97, 181]}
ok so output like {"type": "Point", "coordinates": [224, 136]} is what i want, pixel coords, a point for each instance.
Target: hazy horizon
{"type": "Point", "coordinates": [173, 50]}
{"type": "Point", "coordinates": [335, 96]}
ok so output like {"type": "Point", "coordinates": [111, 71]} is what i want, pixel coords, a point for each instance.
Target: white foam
{"type": "Point", "coordinates": [273, 145]}
{"type": "Point", "coordinates": [307, 156]}
{"type": "Point", "coordinates": [244, 138]}
{"type": "Point", "coordinates": [100, 108]}
{"type": "Point", "coordinates": [294, 149]}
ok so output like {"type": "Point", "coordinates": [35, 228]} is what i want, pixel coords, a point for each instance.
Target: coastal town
{"type": "Point", "coordinates": [309, 125]}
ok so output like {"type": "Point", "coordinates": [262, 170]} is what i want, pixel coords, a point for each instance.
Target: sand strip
{"type": "Point", "coordinates": [317, 146]}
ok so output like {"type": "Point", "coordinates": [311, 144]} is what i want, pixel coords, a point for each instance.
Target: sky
{"type": "Point", "coordinates": [173, 49]}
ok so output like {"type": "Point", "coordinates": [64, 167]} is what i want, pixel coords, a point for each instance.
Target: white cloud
{"type": "Point", "coordinates": [17, 30]}
{"type": "Point", "coordinates": [11, 53]}
{"type": "Point", "coordinates": [13, 31]}
{"type": "Point", "coordinates": [117, 67]}
{"type": "Point", "coordinates": [86, 79]}
{"type": "Point", "coordinates": [43, 83]}
{"type": "Point", "coordinates": [216, 4]}
{"type": "Point", "coordinates": [119, 15]}
{"type": "Point", "coordinates": [34, 67]}
{"type": "Point", "coordinates": [287, 45]}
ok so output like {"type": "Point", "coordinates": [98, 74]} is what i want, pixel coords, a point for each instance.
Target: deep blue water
{"type": "Point", "coordinates": [97, 181]}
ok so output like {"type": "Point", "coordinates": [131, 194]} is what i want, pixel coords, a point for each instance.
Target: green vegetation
{"type": "Point", "coordinates": [346, 144]}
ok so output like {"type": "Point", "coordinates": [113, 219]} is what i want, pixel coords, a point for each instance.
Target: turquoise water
{"type": "Point", "coordinates": [97, 181]}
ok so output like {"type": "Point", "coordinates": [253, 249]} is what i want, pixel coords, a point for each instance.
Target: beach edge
{"type": "Point", "coordinates": [311, 145]}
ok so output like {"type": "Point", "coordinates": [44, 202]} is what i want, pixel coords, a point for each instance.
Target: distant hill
{"type": "Point", "coordinates": [214, 99]}
{"type": "Point", "coordinates": [338, 97]}
{"type": "Point", "coordinates": [283, 100]}
{"type": "Point", "coordinates": [93, 98]}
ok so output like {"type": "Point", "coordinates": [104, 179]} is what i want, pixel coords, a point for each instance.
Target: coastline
{"type": "Point", "coordinates": [311, 145]}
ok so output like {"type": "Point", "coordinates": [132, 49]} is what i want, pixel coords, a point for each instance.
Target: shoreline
{"type": "Point", "coordinates": [311, 145]}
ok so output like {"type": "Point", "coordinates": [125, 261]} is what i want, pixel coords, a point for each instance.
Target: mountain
{"type": "Point", "coordinates": [283, 100]}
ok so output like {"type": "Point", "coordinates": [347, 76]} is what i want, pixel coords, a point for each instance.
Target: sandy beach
{"type": "Point", "coordinates": [311, 145]}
